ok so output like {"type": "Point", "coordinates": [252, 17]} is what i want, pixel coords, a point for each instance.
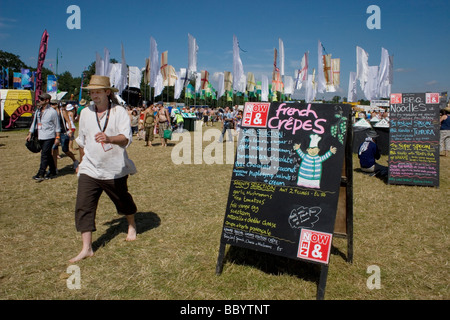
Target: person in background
{"type": "Point", "coordinates": [445, 131]}
{"type": "Point", "coordinates": [65, 136]}
{"type": "Point", "coordinates": [369, 153]}
{"type": "Point", "coordinates": [134, 119]}
{"type": "Point", "coordinates": [149, 124]}
{"type": "Point", "coordinates": [48, 128]}
{"type": "Point", "coordinates": [71, 112]}
{"type": "Point", "coordinates": [162, 121]}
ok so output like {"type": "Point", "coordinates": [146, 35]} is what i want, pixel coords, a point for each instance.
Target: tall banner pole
{"type": "Point", "coordinates": [41, 59]}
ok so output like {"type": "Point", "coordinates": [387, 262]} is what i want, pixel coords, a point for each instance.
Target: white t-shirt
{"type": "Point", "coordinates": [98, 163]}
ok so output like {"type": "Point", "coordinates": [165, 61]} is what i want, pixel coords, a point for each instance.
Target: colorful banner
{"type": "Point", "coordinates": [52, 84]}
{"type": "Point", "coordinates": [17, 80]}
{"type": "Point", "coordinates": [41, 59]}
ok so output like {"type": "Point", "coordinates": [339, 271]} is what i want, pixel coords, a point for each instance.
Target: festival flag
{"type": "Point", "coordinates": [327, 69]}
{"type": "Point", "coordinates": [183, 77]}
{"type": "Point", "coordinates": [147, 71]}
{"type": "Point", "coordinates": [251, 82]}
{"type": "Point", "coordinates": [123, 78]}
{"type": "Point", "coordinates": [336, 72]}
{"type": "Point", "coordinates": [258, 87]}
{"type": "Point", "coordinates": [221, 84]}
{"type": "Point", "coordinates": [2, 78]}
{"type": "Point", "coordinates": [204, 79]}
{"type": "Point", "coordinates": [238, 69]}
{"type": "Point", "coordinates": [228, 80]}
{"type": "Point", "coordinates": [385, 74]}
{"type": "Point", "coordinates": [198, 81]}
{"type": "Point", "coordinates": [371, 86]}
{"type": "Point", "coordinates": [281, 48]}
{"type": "Point", "coordinates": [189, 91]}
{"type": "Point", "coordinates": [362, 66]}
{"type": "Point", "coordinates": [264, 88]}
{"type": "Point", "coordinates": [134, 77]}
{"type": "Point", "coordinates": [164, 65]}
{"type": "Point", "coordinates": [179, 84]}
{"type": "Point", "coordinates": [277, 84]}
{"type": "Point", "coordinates": [351, 95]}
{"type": "Point", "coordinates": [172, 76]}
{"type": "Point", "coordinates": [52, 86]}
{"type": "Point", "coordinates": [275, 57]}
{"type": "Point", "coordinates": [17, 80]}
{"type": "Point", "coordinates": [302, 74]}
{"type": "Point", "coordinates": [310, 91]}
{"type": "Point", "coordinates": [98, 64]}
{"type": "Point", "coordinates": [192, 56]}
{"type": "Point", "coordinates": [27, 81]}
{"type": "Point", "coordinates": [288, 85]}
{"type": "Point", "coordinates": [154, 62]}
{"type": "Point", "coordinates": [159, 85]}
{"type": "Point", "coordinates": [321, 83]}
{"type": "Point", "coordinates": [41, 59]}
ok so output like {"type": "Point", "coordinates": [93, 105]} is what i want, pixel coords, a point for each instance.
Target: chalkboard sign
{"type": "Point", "coordinates": [414, 139]}
{"type": "Point", "coordinates": [286, 179]}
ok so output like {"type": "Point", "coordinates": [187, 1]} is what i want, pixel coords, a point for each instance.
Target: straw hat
{"type": "Point", "coordinates": [100, 82]}
{"type": "Point", "coordinates": [82, 102]}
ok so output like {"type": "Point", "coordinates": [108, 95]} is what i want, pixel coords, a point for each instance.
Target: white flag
{"type": "Point", "coordinates": [288, 85]}
{"type": "Point", "coordinates": [371, 87]}
{"type": "Point", "coordinates": [192, 56]}
{"type": "Point", "coordinates": [362, 66]}
{"type": "Point", "coordinates": [321, 84]}
{"type": "Point", "coordinates": [106, 64]}
{"type": "Point", "coordinates": [179, 83]}
{"type": "Point", "coordinates": [264, 88]}
{"type": "Point", "coordinates": [159, 84]}
{"type": "Point", "coordinates": [281, 49]}
{"type": "Point", "coordinates": [310, 89]}
{"type": "Point", "coordinates": [154, 62]}
{"type": "Point", "coordinates": [238, 69]}
{"type": "Point", "coordinates": [385, 74]}
{"type": "Point", "coordinates": [302, 74]}
{"type": "Point", "coordinates": [198, 81]}
{"type": "Point", "coordinates": [221, 84]}
{"type": "Point", "coordinates": [98, 65]}
{"type": "Point", "coordinates": [123, 78]}
{"type": "Point", "coordinates": [351, 95]}
{"type": "Point", "coordinates": [135, 77]}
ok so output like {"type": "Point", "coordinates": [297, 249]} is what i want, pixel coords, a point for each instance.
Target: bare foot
{"type": "Point", "coordinates": [83, 254]}
{"type": "Point", "coordinates": [131, 236]}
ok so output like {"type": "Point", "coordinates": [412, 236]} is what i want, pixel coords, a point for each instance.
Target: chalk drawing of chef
{"type": "Point", "coordinates": [310, 171]}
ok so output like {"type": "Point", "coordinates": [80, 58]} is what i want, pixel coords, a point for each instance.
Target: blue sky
{"type": "Point", "coordinates": [415, 32]}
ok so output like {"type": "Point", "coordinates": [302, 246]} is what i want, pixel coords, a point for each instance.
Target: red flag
{"type": "Point", "coordinates": [41, 59]}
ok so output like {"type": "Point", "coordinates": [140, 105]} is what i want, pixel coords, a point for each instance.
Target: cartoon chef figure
{"type": "Point", "coordinates": [310, 171]}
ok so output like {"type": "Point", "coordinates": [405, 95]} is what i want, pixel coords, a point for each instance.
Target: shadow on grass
{"type": "Point", "coordinates": [275, 265]}
{"type": "Point", "coordinates": [145, 221]}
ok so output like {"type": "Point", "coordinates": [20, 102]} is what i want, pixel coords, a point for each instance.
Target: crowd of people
{"type": "Point", "coordinates": [147, 121]}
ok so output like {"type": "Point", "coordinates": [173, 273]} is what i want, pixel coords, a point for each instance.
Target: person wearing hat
{"type": "Point", "coordinates": [310, 172]}
{"type": "Point", "coordinates": [369, 153]}
{"type": "Point", "coordinates": [81, 106]}
{"type": "Point", "coordinates": [104, 134]}
{"type": "Point", "coordinates": [445, 131]}
{"type": "Point", "coordinates": [47, 125]}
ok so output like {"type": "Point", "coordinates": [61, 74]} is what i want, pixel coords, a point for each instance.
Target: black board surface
{"type": "Point", "coordinates": [276, 203]}
{"type": "Point", "coordinates": [414, 139]}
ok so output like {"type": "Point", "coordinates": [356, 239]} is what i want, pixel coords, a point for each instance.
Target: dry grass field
{"type": "Point", "coordinates": [404, 230]}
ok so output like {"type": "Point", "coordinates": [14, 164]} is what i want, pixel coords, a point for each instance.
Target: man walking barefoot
{"type": "Point", "coordinates": [103, 136]}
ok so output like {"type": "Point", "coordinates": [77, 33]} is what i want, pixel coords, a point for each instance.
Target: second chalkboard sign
{"type": "Point", "coordinates": [414, 139]}
{"type": "Point", "coordinates": [286, 178]}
